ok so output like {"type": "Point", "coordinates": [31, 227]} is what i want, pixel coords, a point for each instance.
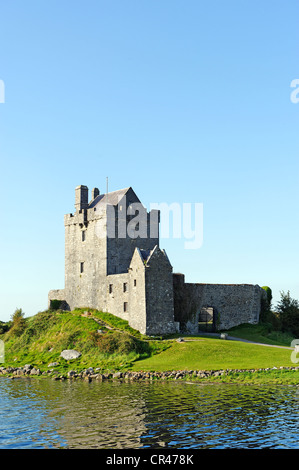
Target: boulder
{"type": "Point", "coordinates": [69, 354]}
{"type": "Point", "coordinates": [72, 373]}
{"type": "Point", "coordinates": [117, 375]}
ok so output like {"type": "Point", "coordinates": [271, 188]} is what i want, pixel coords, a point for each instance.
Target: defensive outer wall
{"type": "Point", "coordinates": [229, 304]}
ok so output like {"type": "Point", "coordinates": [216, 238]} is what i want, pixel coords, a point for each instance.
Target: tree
{"type": "Point", "coordinates": [5, 326]}
{"type": "Point", "coordinates": [18, 322]}
{"type": "Point", "coordinates": [288, 311]}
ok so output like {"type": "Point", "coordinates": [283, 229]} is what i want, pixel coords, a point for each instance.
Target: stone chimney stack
{"type": "Point", "coordinates": [81, 198]}
{"type": "Point", "coordinates": [94, 193]}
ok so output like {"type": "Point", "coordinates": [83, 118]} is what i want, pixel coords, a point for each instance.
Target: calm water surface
{"type": "Point", "coordinates": [51, 414]}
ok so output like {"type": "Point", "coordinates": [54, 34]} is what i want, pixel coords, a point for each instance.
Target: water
{"type": "Point", "coordinates": [114, 415]}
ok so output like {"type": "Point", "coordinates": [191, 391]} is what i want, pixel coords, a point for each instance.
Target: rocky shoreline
{"type": "Point", "coordinates": [90, 373]}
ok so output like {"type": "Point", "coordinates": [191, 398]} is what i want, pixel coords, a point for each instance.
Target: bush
{"type": "Point", "coordinates": [5, 326]}
{"type": "Point", "coordinates": [117, 342]}
{"type": "Point", "coordinates": [18, 322]}
{"type": "Point", "coordinates": [55, 304]}
{"type": "Point", "coordinates": [288, 311]}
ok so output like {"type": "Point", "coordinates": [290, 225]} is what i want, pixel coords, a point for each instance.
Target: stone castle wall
{"type": "Point", "coordinates": [137, 293]}
{"type": "Point", "coordinates": [116, 300]}
{"type": "Point", "coordinates": [85, 259]}
{"type": "Point", "coordinates": [233, 304]}
{"type": "Point", "coordinates": [159, 294]}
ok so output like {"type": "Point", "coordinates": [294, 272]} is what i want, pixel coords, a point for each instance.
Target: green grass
{"type": "Point", "coordinates": [111, 320]}
{"type": "Point", "coordinates": [123, 348]}
{"type": "Point", "coordinates": [257, 377]}
{"type": "Point", "coordinates": [239, 358]}
{"type": "Point", "coordinates": [215, 354]}
{"type": "Point", "coordinates": [48, 333]}
{"type": "Point", "coordinates": [261, 333]}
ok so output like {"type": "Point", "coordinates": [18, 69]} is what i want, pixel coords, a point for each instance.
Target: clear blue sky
{"type": "Point", "coordinates": [185, 101]}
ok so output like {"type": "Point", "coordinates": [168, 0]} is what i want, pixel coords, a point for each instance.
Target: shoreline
{"type": "Point", "coordinates": [90, 374]}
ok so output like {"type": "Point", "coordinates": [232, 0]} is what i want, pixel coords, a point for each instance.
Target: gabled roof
{"type": "Point", "coordinates": [112, 198]}
{"type": "Point", "coordinates": [145, 254]}
{"type": "Point", "coordinates": [156, 251]}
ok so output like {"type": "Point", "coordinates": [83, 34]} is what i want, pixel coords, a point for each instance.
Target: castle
{"type": "Point", "coordinates": [113, 263]}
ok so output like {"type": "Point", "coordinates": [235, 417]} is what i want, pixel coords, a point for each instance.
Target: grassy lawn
{"type": "Point", "coordinates": [261, 334]}
{"type": "Point", "coordinates": [215, 354]}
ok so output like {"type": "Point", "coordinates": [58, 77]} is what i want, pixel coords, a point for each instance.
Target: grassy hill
{"type": "Point", "coordinates": [102, 339]}
{"type": "Point", "coordinates": [109, 343]}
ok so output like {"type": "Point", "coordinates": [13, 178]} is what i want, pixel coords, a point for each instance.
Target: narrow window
{"type": "Point", "coordinates": [81, 267]}
{"type": "Point", "coordinates": [125, 287]}
{"type": "Point", "coordinates": [135, 282]}
{"type": "Point", "coordinates": [110, 288]}
{"type": "Point", "coordinates": [83, 235]}
{"type": "Point", "coordinates": [125, 306]}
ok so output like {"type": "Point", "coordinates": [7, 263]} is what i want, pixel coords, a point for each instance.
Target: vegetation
{"type": "Point", "coordinates": [18, 322]}
{"type": "Point", "coordinates": [55, 304]}
{"type": "Point", "coordinates": [269, 295]}
{"type": "Point", "coordinates": [288, 312]}
{"type": "Point", "coordinates": [5, 326]}
{"type": "Point", "coordinates": [110, 344]}
{"type": "Point", "coordinates": [259, 377]}
{"type": "Point", "coordinates": [112, 321]}
{"type": "Point", "coordinates": [215, 354]}
{"type": "Point", "coordinates": [41, 339]}
{"type": "Point", "coordinates": [262, 333]}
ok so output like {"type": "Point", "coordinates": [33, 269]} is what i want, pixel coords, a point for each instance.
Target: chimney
{"type": "Point", "coordinates": [94, 193]}
{"type": "Point", "coordinates": [81, 198]}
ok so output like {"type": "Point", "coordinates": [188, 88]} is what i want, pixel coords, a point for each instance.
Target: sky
{"type": "Point", "coordinates": [187, 102]}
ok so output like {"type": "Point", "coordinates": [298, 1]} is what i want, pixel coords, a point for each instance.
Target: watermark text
{"type": "Point", "coordinates": [295, 345]}
{"type": "Point", "coordinates": [295, 93]}
{"type": "Point", "coordinates": [179, 221]}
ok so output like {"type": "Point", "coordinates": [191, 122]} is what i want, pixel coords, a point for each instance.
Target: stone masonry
{"type": "Point", "coordinates": [230, 304]}
{"type": "Point", "coordinates": [115, 266]}
{"type": "Point", "coordinates": [113, 263]}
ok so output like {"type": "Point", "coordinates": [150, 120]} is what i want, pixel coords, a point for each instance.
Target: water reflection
{"type": "Point", "coordinates": [45, 413]}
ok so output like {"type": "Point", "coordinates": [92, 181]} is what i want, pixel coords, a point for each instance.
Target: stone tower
{"type": "Point", "coordinates": [113, 262]}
